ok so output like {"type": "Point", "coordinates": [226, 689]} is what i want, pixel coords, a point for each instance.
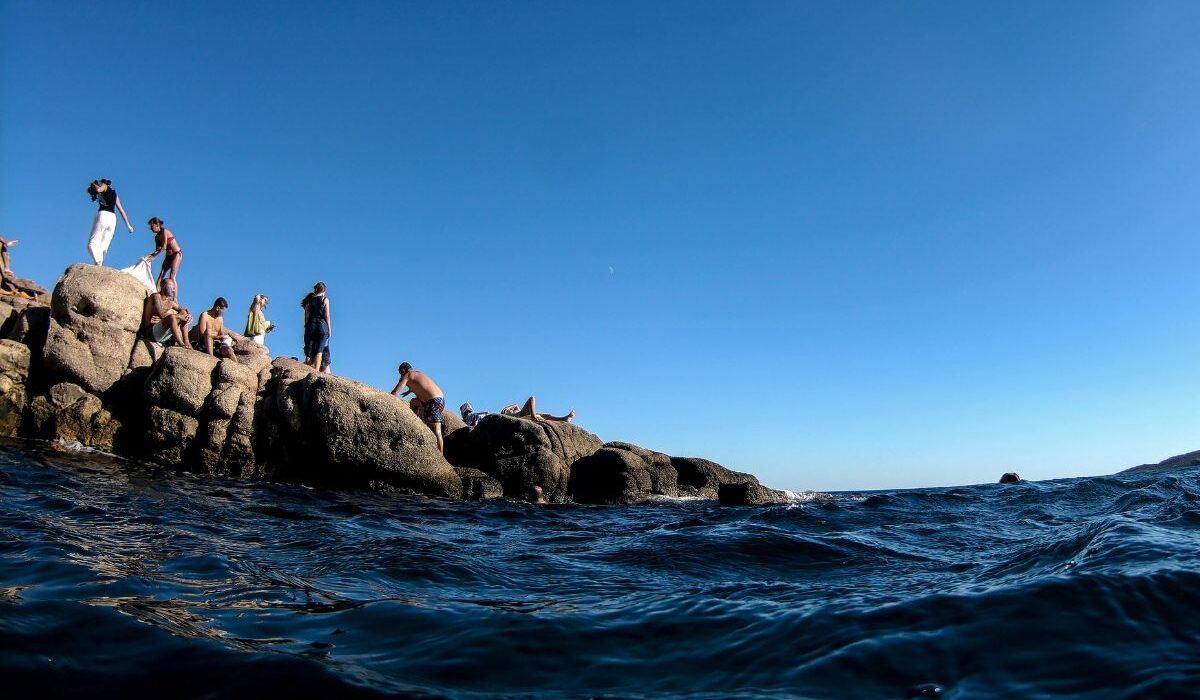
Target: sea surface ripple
{"type": "Point", "coordinates": [121, 580]}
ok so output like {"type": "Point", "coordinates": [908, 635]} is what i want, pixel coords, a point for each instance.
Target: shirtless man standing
{"type": "Point", "coordinates": [162, 317]}
{"type": "Point", "coordinates": [211, 328]}
{"type": "Point", "coordinates": [430, 401]}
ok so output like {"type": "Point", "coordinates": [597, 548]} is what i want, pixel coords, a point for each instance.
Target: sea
{"type": "Point", "coordinates": [124, 580]}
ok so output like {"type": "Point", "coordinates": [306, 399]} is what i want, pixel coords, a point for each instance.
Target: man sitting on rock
{"type": "Point", "coordinates": [162, 317]}
{"type": "Point", "coordinates": [210, 329]}
{"type": "Point", "coordinates": [429, 403]}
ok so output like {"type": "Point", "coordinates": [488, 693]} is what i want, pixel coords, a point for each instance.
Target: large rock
{"type": "Point", "coordinates": [14, 373]}
{"type": "Point", "coordinates": [521, 453]}
{"type": "Point", "coordinates": [701, 478]}
{"type": "Point", "coordinates": [749, 493]}
{"type": "Point", "coordinates": [323, 428]}
{"type": "Point", "coordinates": [181, 380]}
{"type": "Point", "coordinates": [69, 413]}
{"type": "Point", "coordinates": [477, 486]}
{"type": "Point", "coordinates": [95, 315]}
{"type": "Point", "coordinates": [623, 473]}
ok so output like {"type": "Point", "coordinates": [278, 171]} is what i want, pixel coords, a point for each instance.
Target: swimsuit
{"type": "Point", "coordinates": [431, 410]}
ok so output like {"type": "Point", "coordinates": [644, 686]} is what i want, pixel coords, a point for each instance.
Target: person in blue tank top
{"type": "Point", "coordinates": [318, 326]}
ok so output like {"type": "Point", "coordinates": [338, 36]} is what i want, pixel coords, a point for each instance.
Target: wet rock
{"type": "Point", "coordinates": [333, 430]}
{"type": "Point", "coordinates": [701, 478]}
{"type": "Point", "coordinates": [14, 373]}
{"type": "Point", "coordinates": [1010, 478]}
{"type": "Point", "coordinates": [168, 437]}
{"type": "Point", "coordinates": [69, 413]}
{"type": "Point", "coordinates": [522, 453]}
{"type": "Point", "coordinates": [476, 485]}
{"type": "Point", "coordinates": [622, 473]}
{"type": "Point", "coordinates": [749, 493]}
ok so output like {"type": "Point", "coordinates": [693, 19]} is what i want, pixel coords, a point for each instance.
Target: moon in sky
{"type": "Point", "coordinates": [610, 269]}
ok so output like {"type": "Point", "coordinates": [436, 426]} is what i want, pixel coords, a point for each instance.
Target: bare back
{"type": "Point", "coordinates": [421, 385]}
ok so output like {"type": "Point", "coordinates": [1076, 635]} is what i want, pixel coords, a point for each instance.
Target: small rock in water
{"type": "Point", "coordinates": [926, 690]}
{"type": "Point", "coordinates": [1011, 478]}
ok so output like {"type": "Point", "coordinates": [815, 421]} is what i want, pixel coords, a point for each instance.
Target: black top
{"type": "Point", "coordinates": [107, 199]}
{"type": "Point", "coordinates": [316, 308]}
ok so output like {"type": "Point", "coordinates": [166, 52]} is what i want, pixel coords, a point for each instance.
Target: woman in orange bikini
{"type": "Point", "coordinates": [166, 241]}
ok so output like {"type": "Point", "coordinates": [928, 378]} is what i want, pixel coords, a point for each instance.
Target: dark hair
{"type": "Point", "coordinates": [155, 220]}
{"type": "Point", "coordinates": [319, 288]}
{"type": "Point", "coordinates": [306, 299]}
{"type": "Point", "coordinates": [220, 303]}
{"type": "Point", "coordinates": [94, 188]}
{"type": "Point", "coordinates": [405, 367]}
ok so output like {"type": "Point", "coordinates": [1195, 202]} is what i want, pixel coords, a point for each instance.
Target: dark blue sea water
{"type": "Point", "coordinates": [118, 580]}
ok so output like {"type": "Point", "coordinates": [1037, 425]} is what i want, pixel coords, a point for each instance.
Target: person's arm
{"type": "Point", "coordinates": [160, 246]}
{"type": "Point", "coordinates": [399, 385]}
{"type": "Point", "coordinates": [7, 243]}
{"type": "Point", "coordinates": [328, 322]}
{"type": "Point", "coordinates": [123, 216]}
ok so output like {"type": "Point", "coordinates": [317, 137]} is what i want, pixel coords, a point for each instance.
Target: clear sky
{"type": "Point", "coordinates": [838, 245]}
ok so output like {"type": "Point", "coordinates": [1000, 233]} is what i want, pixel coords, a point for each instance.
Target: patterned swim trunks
{"type": "Point", "coordinates": [431, 410]}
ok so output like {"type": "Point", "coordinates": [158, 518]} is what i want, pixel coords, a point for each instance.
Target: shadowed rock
{"type": "Point", "coordinates": [749, 494]}
{"type": "Point", "coordinates": [1010, 478]}
{"type": "Point", "coordinates": [330, 429]}
{"type": "Point", "coordinates": [523, 453]}
{"type": "Point", "coordinates": [14, 373]}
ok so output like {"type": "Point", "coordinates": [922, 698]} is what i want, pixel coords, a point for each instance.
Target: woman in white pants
{"type": "Point", "coordinates": [105, 222]}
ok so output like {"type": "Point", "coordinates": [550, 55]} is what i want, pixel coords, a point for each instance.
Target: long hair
{"type": "Point", "coordinates": [94, 188]}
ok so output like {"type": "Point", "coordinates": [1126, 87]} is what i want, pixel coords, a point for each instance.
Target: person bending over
{"type": "Point", "coordinates": [210, 331]}
{"type": "Point", "coordinates": [429, 403]}
{"type": "Point", "coordinates": [163, 318]}
{"type": "Point", "coordinates": [165, 241]}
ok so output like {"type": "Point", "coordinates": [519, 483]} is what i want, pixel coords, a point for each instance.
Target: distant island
{"type": "Point", "coordinates": [73, 368]}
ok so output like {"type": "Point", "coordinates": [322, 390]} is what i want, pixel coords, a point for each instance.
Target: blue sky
{"type": "Point", "coordinates": [840, 246]}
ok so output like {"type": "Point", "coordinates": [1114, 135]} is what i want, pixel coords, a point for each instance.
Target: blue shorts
{"type": "Point", "coordinates": [431, 410]}
{"type": "Point", "coordinates": [316, 337]}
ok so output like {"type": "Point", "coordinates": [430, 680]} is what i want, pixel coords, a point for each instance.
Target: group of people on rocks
{"type": "Point", "coordinates": [166, 321]}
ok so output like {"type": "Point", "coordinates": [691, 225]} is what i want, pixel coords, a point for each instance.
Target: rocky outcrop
{"type": "Point", "coordinates": [95, 313]}
{"type": "Point", "coordinates": [343, 432]}
{"type": "Point", "coordinates": [1183, 461]}
{"type": "Point", "coordinates": [71, 414]}
{"type": "Point", "coordinates": [749, 493]}
{"type": "Point", "coordinates": [14, 373]}
{"type": "Point", "coordinates": [521, 453]}
{"type": "Point", "coordinates": [72, 368]}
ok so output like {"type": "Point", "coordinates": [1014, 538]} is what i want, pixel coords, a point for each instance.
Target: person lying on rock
{"type": "Point", "coordinates": [162, 317]}
{"type": "Point", "coordinates": [429, 403]}
{"type": "Point", "coordinates": [529, 410]}
{"type": "Point", "coordinates": [210, 331]}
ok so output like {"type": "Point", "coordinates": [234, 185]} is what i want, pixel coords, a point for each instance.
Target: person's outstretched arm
{"type": "Point", "coordinates": [328, 321]}
{"type": "Point", "coordinates": [399, 386]}
{"type": "Point", "coordinates": [123, 216]}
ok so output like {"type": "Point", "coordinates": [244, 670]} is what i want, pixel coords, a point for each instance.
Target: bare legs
{"type": "Point", "coordinates": [170, 268]}
{"type": "Point", "coordinates": [529, 410]}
